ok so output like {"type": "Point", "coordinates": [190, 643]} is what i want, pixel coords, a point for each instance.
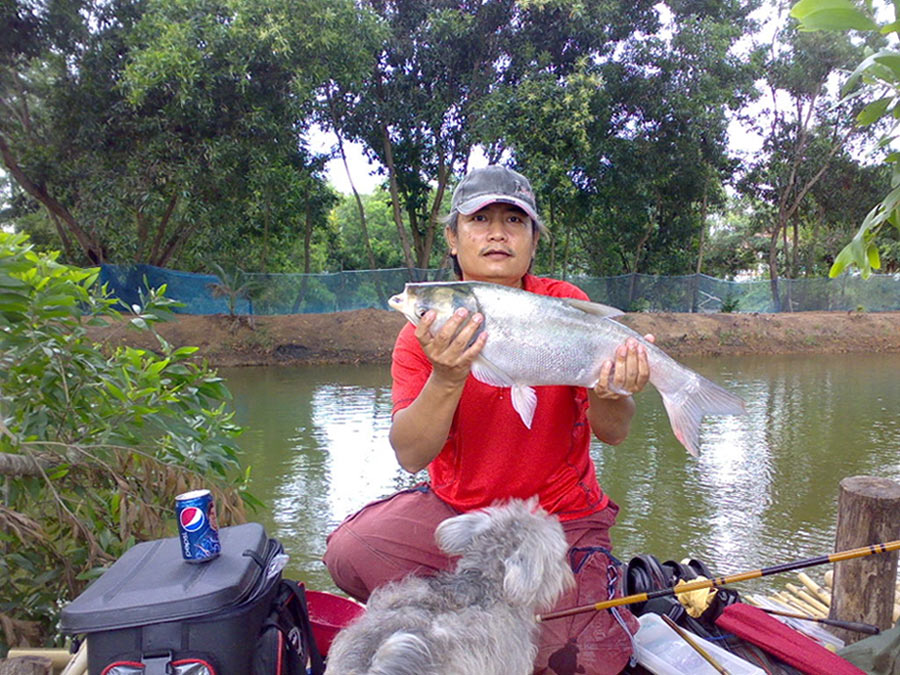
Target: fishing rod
{"type": "Point", "coordinates": [855, 626]}
{"type": "Point", "coordinates": [699, 584]}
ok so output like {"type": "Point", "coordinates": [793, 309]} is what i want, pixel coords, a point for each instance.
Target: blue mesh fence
{"type": "Point", "coordinates": [341, 291]}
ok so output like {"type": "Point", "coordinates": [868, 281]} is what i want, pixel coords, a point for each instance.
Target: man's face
{"type": "Point", "coordinates": [494, 244]}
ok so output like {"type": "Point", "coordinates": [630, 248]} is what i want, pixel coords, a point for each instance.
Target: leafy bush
{"type": "Point", "coordinates": [730, 304]}
{"type": "Point", "coordinates": [94, 446]}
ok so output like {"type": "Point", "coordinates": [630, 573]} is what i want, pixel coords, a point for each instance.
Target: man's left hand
{"type": "Point", "coordinates": [627, 374]}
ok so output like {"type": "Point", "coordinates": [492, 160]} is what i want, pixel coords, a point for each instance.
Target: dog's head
{"type": "Point", "coordinates": [521, 541]}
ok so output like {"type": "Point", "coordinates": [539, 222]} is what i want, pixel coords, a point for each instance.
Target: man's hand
{"type": "Point", "coordinates": [448, 350]}
{"type": "Point", "coordinates": [627, 374]}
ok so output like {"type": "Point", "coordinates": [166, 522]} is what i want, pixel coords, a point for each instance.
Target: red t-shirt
{"type": "Point", "coordinates": [490, 454]}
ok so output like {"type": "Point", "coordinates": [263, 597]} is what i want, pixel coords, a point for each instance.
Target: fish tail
{"type": "Point", "coordinates": [687, 406]}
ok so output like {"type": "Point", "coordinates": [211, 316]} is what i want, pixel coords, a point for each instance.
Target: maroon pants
{"type": "Point", "coordinates": [391, 538]}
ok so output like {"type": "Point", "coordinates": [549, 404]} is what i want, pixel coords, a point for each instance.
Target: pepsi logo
{"type": "Point", "coordinates": [192, 518]}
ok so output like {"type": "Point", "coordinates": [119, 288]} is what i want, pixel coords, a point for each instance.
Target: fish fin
{"type": "Point", "coordinates": [687, 406]}
{"type": "Point", "coordinates": [485, 371]}
{"type": "Point", "coordinates": [595, 308]}
{"type": "Point", "coordinates": [524, 400]}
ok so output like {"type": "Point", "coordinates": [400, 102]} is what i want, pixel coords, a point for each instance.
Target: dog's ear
{"type": "Point", "coordinates": [524, 576]}
{"type": "Point", "coordinates": [537, 572]}
{"type": "Point", "coordinates": [455, 534]}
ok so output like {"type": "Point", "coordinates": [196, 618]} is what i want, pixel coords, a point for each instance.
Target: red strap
{"type": "Point", "coordinates": [130, 664]}
{"type": "Point", "coordinates": [185, 662]}
{"type": "Point", "coordinates": [789, 645]}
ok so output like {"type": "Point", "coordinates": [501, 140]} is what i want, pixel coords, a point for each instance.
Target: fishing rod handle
{"type": "Point", "coordinates": [854, 626]}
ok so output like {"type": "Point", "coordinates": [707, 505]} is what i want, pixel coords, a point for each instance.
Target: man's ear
{"type": "Point", "coordinates": [451, 240]}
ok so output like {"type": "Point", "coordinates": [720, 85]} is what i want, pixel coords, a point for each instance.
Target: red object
{"type": "Point", "coordinates": [782, 641]}
{"type": "Point", "coordinates": [490, 454]}
{"type": "Point", "coordinates": [328, 613]}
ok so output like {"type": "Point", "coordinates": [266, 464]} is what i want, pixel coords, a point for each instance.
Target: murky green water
{"type": "Point", "coordinates": [763, 491]}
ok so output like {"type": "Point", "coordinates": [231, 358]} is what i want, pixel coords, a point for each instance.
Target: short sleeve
{"type": "Point", "coordinates": [410, 368]}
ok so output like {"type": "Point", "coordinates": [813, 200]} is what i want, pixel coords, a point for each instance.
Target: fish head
{"type": "Point", "coordinates": [444, 298]}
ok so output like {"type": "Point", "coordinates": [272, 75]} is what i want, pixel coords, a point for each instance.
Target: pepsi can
{"type": "Point", "coordinates": [195, 512]}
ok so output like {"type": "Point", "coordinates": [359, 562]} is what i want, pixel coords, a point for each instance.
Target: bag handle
{"type": "Point", "coordinates": [298, 590]}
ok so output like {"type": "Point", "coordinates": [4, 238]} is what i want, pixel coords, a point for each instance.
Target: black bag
{"type": "Point", "coordinates": [645, 574]}
{"type": "Point", "coordinates": [286, 642]}
{"type": "Point", "coordinates": [154, 614]}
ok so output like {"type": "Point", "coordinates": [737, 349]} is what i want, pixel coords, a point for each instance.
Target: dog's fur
{"type": "Point", "coordinates": [479, 618]}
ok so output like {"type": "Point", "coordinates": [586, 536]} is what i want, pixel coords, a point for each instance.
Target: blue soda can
{"type": "Point", "coordinates": [197, 528]}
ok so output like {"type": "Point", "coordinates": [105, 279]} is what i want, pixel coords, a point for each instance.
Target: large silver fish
{"type": "Point", "coordinates": [536, 340]}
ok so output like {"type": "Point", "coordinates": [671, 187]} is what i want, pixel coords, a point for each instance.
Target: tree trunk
{"type": "Point", "coordinates": [703, 214]}
{"type": "Point", "coordinates": [264, 252]}
{"type": "Point", "coordinates": [367, 242]}
{"type": "Point", "coordinates": [773, 268]}
{"type": "Point", "coordinates": [442, 178]}
{"type": "Point", "coordinates": [92, 248]}
{"type": "Point", "coordinates": [392, 177]}
{"type": "Point", "coordinates": [155, 257]}
{"type": "Point", "coordinates": [395, 200]}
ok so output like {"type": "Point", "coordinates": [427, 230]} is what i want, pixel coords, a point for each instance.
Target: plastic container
{"type": "Point", "coordinates": [328, 613]}
{"type": "Point", "coordinates": [152, 604]}
{"type": "Point", "coordinates": [662, 651]}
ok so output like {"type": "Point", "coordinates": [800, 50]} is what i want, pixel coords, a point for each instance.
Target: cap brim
{"type": "Point", "coordinates": [479, 202]}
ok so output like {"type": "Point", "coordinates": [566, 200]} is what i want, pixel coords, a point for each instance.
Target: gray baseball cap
{"type": "Point", "coordinates": [490, 185]}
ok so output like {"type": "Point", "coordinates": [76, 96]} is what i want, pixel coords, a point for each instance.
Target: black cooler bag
{"type": "Point", "coordinates": [153, 613]}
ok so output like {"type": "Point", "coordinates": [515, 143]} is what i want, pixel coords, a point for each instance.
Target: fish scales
{"type": "Point", "coordinates": [536, 340]}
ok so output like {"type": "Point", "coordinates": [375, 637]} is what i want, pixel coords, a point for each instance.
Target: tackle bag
{"type": "Point", "coordinates": [152, 613]}
{"type": "Point", "coordinates": [286, 642]}
{"type": "Point", "coordinates": [645, 574]}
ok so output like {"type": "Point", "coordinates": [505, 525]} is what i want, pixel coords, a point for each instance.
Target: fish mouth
{"type": "Point", "coordinates": [396, 301]}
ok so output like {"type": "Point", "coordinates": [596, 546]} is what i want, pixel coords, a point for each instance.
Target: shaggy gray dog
{"type": "Point", "coordinates": [476, 620]}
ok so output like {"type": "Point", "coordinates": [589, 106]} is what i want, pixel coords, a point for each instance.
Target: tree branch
{"type": "Point", "coordinates": [23, 465]}
{"type": "Point", "coordinates": [91, 247]}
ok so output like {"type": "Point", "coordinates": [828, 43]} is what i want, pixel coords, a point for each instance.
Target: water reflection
{"type": "Point", "coordinates": [763, 491]}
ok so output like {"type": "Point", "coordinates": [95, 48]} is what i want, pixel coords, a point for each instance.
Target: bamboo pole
{"type": "Point", "coordinates": [814, 588]}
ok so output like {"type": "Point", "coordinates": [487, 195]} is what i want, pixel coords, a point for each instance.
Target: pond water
{"type": "Point", "coordinates": [763, 491]}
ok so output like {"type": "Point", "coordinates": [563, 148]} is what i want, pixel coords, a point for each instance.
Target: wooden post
{"type": "Point", "coordinates": [868, 513]}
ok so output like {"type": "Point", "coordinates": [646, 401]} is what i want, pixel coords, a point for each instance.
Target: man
{"type": "Point", "coordinates": [476, 448]}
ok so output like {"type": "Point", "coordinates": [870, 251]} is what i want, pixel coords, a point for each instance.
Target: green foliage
{"type": "Point", "coordinates": [381, 228]}
{"type": "Point", "coordinates": [174, 128]}
{"type": "Point", "coordinates": [94, 443]}
{"type": "Point", "coordinates": [234, 285]}
{"type": "Point", "coordinates": [730, 304]}
{"type": "Point", "coordinates": [877, 80]}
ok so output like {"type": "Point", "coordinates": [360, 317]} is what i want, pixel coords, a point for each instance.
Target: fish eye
{"type": "Point", "coordinates": [421, 311]}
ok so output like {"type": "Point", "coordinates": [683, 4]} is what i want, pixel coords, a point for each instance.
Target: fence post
{"type": "Point", "coordinates": [868, 513]}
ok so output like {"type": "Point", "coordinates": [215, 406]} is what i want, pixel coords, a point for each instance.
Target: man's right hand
{"type": "Point", "coordinates": [449, 350]}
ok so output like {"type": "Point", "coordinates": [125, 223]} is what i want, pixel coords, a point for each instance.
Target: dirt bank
{"type": "Point", "coordinates": [366, 336]}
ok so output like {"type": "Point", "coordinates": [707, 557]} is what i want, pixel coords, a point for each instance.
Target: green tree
{"type": "Point", "coordinates": [150, 130]}
{"type": "Point", "coordinates": [876, 83]}
{"type": "Point", "coordinates": [94, 445]}
{"type": "Point", "coordinates": [439, 64]}
{"type": "Point", "coordinates": [807, 133]}
{"type": "Point", "coordinates": [386, 252]}
{"type": "Point", "coordinates": [632, 151]}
